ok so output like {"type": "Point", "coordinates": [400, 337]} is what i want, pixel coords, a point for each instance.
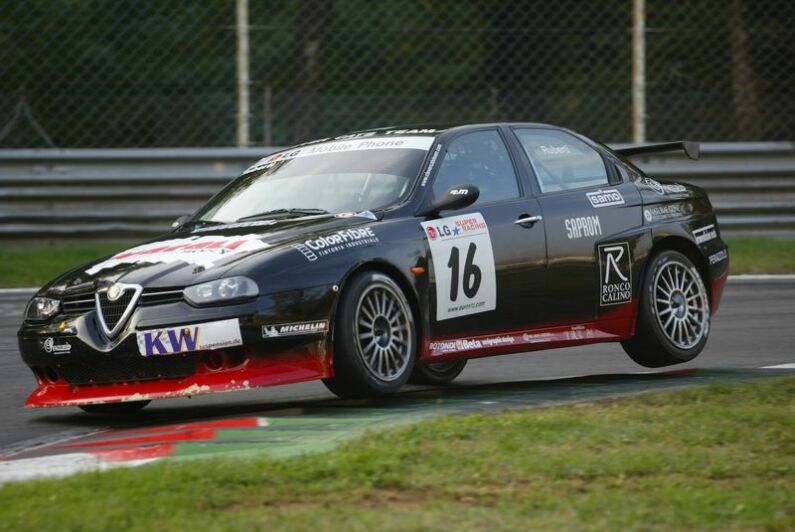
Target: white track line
{"type": "Point", "coordinates": [781, 366]}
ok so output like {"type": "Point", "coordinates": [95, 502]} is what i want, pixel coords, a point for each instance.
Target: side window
{"type": "Point", "coordinates": [479, 159]}
{"type": "Point", "coordinates": [562, 161]}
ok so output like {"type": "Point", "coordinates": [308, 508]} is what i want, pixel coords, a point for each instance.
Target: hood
{"type": "Point", "coordinates": [202, 254]}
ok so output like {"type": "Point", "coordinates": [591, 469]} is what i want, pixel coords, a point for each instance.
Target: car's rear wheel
{"type": "Point", "coordinates": [436, 372]}
{"type": "Point", "coordinates": [127, 407]}
{"type": "Point", "coordinates": [673, 317]}
{"type": "Point", "coordinates": [374, 338]}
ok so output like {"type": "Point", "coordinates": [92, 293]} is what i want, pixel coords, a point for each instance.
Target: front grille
{"type": "Point", "coordinates": [160, 296]}
{"type": "Point", "coordinates": [77, 304]}
{"type": "Point", "coordinates": [112, 311]}
{"type": "Point", "coordinates": [103, 369]}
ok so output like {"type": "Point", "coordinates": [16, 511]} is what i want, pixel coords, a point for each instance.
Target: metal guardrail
{"type": "Point", "coordinates": [139, 192]}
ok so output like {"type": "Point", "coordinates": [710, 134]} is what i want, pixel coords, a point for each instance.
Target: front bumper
{"type": "Point", "coordinates": [75, 364]}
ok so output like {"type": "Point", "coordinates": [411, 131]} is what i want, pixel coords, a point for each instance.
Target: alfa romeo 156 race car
{"type": "Point", "coordinates": [384, 257]}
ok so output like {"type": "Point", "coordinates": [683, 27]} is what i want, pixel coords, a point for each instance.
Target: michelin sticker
{"type": "Point", "coordinates": [605, 198]}
{"type": "Point", "coordinates": [615, 275]}
{"type": "Point", "coordinates": [463, 265]}
{"type": "Point", "coordinates": [295, 329]}
{"type": "Point", "coordinates": [199, 250]}
{"type": "Point", "coordinates": [189, 338]}
{"type": "Point", "coordinates": [406, 143]}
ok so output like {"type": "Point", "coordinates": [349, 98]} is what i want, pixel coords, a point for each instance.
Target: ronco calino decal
{"type": "Point", "coordinates": [188, 338]}
{"type": "Point", "coordinates": [200, 250]}
{"type": "Point", "coordinates": [295, 329]}
{"type": "Point", "coordinates": [463, 265]}
{"type": "Point", "coordinates": [336, 242]}
{"type": "Point", "coordinates": [705, 234]}
{"type": "Point", "coordinates": [615, 274]}
{"type": "Point", "coordinates": [406, 143]}
{"type": "Point", "coordinates": [582, 226]}
{"type": "Point", "coordinates": [605, 198]}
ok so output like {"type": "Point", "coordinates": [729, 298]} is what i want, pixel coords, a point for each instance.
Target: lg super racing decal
{"type": "Point", "coordinates": [187, 338]}
{"type": "Point", "coordinates": [463, 265]}
{"type": "Point", "coordinates": [413, 143]}
{"type": "Point", "coordinates": [615, 276]}
{"type": "Point", "coordinates": [200, 250]}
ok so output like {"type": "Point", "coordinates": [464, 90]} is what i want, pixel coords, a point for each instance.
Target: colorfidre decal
{"type": "Point", "coordinates": [334, 243]}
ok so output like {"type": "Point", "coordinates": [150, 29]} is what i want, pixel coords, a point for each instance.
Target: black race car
{"type": "Point", "coordinates": [383, 257]}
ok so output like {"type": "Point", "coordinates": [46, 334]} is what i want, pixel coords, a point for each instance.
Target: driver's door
{"type": "Point", "coordinates": [488, 268]}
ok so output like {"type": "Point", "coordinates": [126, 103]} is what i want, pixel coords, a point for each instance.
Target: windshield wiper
{"type": "Point", "coordinates": [283, 212]}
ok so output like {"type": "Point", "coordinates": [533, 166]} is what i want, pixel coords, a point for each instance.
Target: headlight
{"type": "Point", "coordinates": [221, 291]}
{"type": "Point", "coordinates": [42, 308]}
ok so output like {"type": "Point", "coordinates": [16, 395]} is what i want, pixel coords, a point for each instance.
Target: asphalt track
{"type": "Point", "coordinates": [754, 328]}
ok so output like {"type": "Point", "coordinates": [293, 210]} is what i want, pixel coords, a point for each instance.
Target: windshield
{"type": "Point", "coordinates": [339, 176]}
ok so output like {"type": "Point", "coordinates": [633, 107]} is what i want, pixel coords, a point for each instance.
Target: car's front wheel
{"type": "Point", "coordinates": [674, 317]}
{"type": "Point", "coordinates": [127, 407]}
{"type": "Point", "coordinates": [374, 338]}
{"type": "Point", "coordinates": [437, 373]}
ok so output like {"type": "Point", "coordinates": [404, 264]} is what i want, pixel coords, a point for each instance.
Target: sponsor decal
{"type": "Point", "coordinates": [341, 240]}
{"type": "Point", "coordinates": [189, 338]}
{"type": "Point", "coordinates": [199, 250]}
{"type": "Point", "coordinates": [530, 338]}
{"type": "Point", "coordinates": [410, 132]}
{"type": "Point", "coordinates": [667, 211]}
{"type": "Point", "coordinates": [572, 333]}
{"type": "Point", "coordinates": [718, 257]}
{"type": "Point", "coordinates": [49, 346]}
{"type": "Point", "coordinates": [363, 214]}
{"type": "Point", "coordinates": [605, 198]}
{"type": "Point", "coordinates": [582, 226]}
{"type": "Point", "coordinates": [295, 329]}
{"type": "Point", "coordinates": [555, 150]}
{"type": "Point", "coordinates": [615, 274]}
{"type": "Point", "coordinates": [237, 225]}
{"type": "Point", "coordinates": [705, 234]}
{"type": "Point", "coordinates": [463, 265]}
{"type": "Point", "coordinates": [347, 144]}
{"type": "Point", "coordinates": [431, 164]}
{"type": "Point", "coordinates": [659, 188]}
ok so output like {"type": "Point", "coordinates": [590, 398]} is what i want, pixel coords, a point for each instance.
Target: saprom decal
{"type": "Point", "coordinates": [295, 329]}
{"type": "Point", "coordinates": [189, 338]}
{"type": "Point", "coordinates": [615, 274]}
{"type": "Point", "coordinates": [584, 226]}
{"type": "Point", "coordinates": [605, 198]}
{"type": "Point", "coordinates": [199, 250]}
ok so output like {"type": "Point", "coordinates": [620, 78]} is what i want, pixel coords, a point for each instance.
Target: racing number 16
{"type": "Point", "coordinates": [471, 277]}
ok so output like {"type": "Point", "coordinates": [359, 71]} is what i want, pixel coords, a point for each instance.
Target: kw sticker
{"type": "Point", "coordinates": [189, 338]}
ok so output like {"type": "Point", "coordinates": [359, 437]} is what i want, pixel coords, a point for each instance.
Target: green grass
{"type": "Point", "coordinates": [718, 457]}
{"type": "Point", "coordinates": [35, 265]}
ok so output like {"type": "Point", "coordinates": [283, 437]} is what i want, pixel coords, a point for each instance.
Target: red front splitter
{"type": "Point", "coordinates": [255, 372]}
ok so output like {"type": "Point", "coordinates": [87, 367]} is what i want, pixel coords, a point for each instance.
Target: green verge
{"type": "Point", "coordinates": [35, 265]}
{"type": "Point", "coordinates": [715, 457]}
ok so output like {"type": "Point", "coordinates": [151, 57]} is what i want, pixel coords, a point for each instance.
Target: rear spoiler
{"type": "Point", "coordinates": [691, 149]}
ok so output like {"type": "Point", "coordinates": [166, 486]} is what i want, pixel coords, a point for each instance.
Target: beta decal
{"type": "Point", "coordinates": [718, 257]}
{"type": "Point", "coordinates": [49, 346]}
{"type": "Point", "coordinates": [295, 329]}
{"type": "Point", "coordinates": [615, 275]}
{"type": "Point", "coordinates": [605, 198]}
{"type": "Point", "coordinates": [583, 226]}
{"type": "Point", "coordinates": [463, 265]}
{"type": "Point", "coordinates": [189, 338]}
{"type": "Point", "coordinates": [705, 234]}
{"type": "Point", "coordinates": [200, 250]}
{"type": "Point", "coordinates": [347, 145]}
{"type": "Point", "coordinates": [335, 242]}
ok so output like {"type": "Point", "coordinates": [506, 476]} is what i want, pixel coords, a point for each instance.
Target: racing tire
{"type": "Point", "coordinates": [127, 407]}
{"type": "Point", "coordinates": [673, 315]}
{"type": "Point", "coordinates": [436, 373]}
{"type": "Point", "coordinates": [375, 339]}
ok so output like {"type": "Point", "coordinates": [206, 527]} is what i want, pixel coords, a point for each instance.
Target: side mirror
{"type": "Point", "coordinates": [456, 197]}
{"type": "Point", "coordinates": [179, 222]}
